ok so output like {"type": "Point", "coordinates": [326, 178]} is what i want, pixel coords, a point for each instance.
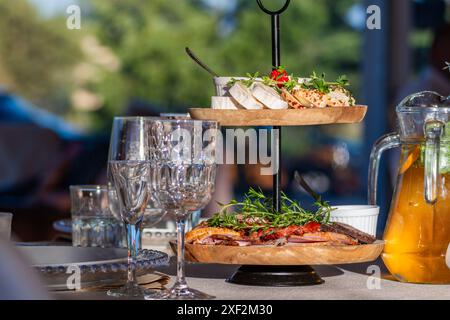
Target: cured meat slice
{"type": "Point", "coordinates": [348, 230]}
{"type": "Point", "coordinates": [329, 237]}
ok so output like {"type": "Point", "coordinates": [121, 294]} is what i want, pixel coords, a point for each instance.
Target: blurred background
{"type": "Point", "coordinates": [60, 88]}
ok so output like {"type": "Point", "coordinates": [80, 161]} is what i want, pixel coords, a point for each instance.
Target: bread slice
{"type": "Point", "coordinates": [291, 100]}
{"type": "Point", "coordinates": [199, 234]}
{"type": "Point", "coordinates": [309, 98]}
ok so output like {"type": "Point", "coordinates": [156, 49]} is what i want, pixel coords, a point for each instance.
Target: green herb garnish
{"type": "Point", "coordinates": [318, 83]}
{"type": "Point", "coordinates": [257, 207]}
{"type": "Point", "coordinates": [247, 82]}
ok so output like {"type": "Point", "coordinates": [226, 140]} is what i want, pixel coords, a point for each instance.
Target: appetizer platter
{"type": "Point", "coordinates": [289, 117]}
{"type": "Point", "coordinates": [280, 99]}
{"type": "Point", "coordinates": [252, 234]}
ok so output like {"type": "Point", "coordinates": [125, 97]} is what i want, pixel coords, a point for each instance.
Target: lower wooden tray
{"type": "Point", "coordinates": [289, 117]}
{"type": "Point", "coordinates": [293, 254]}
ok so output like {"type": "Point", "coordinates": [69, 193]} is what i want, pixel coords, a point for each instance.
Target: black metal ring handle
{"type": "Point", "coordinates": [273, 13]}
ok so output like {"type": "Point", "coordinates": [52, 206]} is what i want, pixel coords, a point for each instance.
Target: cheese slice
{"type": "Point", "coordinates": [223, 103]}
{"type": "Point", "coordinates": [244, 97]}
{"type": "Point", "coordinates": [268, 96]}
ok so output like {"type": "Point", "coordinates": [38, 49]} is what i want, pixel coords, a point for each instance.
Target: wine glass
{"type": "Point", "coordinates": [153, 213]}
{"type": "Point", "coordinates": [129, 169]}
{"type": "Point", "coordinates": [183, 169]}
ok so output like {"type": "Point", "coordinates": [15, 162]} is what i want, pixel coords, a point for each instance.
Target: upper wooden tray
{"type": "Point", "coordinates": [293, 254]}
{"type": "Point", "coordinates": [289, 117]}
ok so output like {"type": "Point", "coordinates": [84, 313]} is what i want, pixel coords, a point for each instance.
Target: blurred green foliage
{"type": "Point", "coordinates": [36, 55]}
{"type": "Point", "coordinates": [149, 37]}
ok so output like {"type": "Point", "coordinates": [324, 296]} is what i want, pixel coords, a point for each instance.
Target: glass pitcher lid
{"type": "Point", "coordinates": [425, 101]}
{"type": "Point", "coordinates": [420, 109]}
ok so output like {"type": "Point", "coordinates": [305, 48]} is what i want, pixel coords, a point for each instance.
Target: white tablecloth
{"type": "Point", "coordinates": [341, 283]}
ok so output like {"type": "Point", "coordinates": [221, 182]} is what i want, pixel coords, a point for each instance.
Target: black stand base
{"type": "Point", "coordinates": [276, 276]}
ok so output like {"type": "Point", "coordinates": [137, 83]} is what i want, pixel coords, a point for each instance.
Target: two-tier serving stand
{"type": "Point", "coordinates": [289, 265]}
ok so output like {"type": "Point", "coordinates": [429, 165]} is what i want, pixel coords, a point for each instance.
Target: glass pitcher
{"type": "Point", "coordinates": [417, 233]}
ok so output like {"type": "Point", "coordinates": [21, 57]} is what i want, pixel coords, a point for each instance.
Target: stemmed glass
{"type": "Point", "coordinates": [129, 169]}
{"type": "Point", "coordinates": [183, 169]}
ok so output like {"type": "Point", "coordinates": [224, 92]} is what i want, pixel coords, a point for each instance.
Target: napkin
{"type": "Point", "coordinates": [155, 280]}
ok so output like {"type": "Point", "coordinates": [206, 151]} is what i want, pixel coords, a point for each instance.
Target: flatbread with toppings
{"type": "Point", "coordinates": [254, 223]}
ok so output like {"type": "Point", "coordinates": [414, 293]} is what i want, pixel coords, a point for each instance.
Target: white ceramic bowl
{"type": "Point", "coordinates": [363, 218]}
{"type": "Point", "coordinates": [221, 85]}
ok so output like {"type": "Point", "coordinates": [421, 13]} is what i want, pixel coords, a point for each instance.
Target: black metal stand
{"type": "Point", "coordinates": [276, 276]}
{"type": "Point", "coordinates": [275, 20]}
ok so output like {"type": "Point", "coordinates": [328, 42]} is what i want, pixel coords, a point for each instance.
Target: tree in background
{"type": "Point", "coordinates": [149, 38]}
{"type": "Point", "coordinates": [314, 35]}
{"type": "Point", "coordinates": [36, 55]}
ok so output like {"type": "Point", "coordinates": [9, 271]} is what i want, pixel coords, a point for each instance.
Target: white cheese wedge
{"type": "Point", "coordinates": [244, 97]}
{"type": "Point", "coordinates": [223, 103]}
{"type": "Point", "coordinates": [268, 96]}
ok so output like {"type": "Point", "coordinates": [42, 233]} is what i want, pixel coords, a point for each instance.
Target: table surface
{"type": "Point", "coordinates": [350, 282]}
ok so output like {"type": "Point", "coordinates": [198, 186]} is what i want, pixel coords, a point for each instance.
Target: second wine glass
{"type": "Point", "coordinates": [183, 169]}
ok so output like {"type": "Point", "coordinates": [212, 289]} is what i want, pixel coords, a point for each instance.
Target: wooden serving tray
{"type": "Point", "coordinates": [292, 254]}
{"type": "Point", "coordinates": [288, 117]}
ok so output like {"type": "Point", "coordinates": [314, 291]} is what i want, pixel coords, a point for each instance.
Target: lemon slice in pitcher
{"type": "Point", "coordinates": [413, 156]}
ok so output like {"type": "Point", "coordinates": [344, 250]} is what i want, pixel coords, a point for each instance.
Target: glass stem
{"type": "Point", "coordinates": [134, 245]}
{"type": "Point", "coordinates": [181, 280]}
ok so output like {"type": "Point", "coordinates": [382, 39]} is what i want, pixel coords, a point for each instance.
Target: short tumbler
{"type": "Point", "coordinates": [93, 223]}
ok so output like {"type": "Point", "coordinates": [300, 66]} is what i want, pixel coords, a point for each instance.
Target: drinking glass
{"type": "Point", "coordinates": [129, 168]}
{"type": "Point", "coordinates": [93, 223]}
{"type": "Point", "coordinates": [183, 169]}
{"type": "Point", "coordinates": [175, 116]}
{"type": "Point", "coordinates": [153, 214]}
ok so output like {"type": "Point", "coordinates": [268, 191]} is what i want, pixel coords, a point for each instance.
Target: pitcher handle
{"type": "Point", "coordinates": [386, 142]}
{"type": "Point", "coordinates": [434, 130]}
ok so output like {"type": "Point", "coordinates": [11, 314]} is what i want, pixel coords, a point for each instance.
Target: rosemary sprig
{"type": "Point", "coordinates": [255, 213]}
